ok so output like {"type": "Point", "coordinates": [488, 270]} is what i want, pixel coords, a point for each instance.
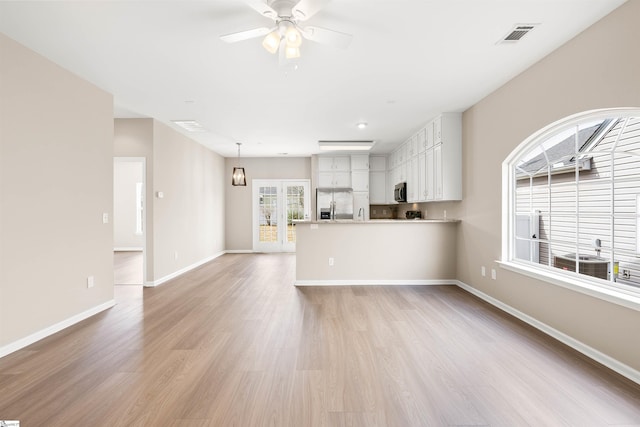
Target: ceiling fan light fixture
{"type": "Point", "coordinates": [272, 41]}
{"type": "Point", "coordinates": [292, 52]}
{"type": "Point", "coordinates": [293, 37]}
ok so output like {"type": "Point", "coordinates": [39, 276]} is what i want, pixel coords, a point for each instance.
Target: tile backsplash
{"type": "Point", "coordinates": [383, 211]}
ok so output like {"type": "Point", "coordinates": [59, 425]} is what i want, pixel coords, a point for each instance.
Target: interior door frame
{"type": "Point", "coordinates": [281, 245]}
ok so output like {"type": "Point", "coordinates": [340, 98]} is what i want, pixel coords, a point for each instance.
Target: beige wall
{"type": "Point", "coordinates": [597, 69]}
{"type": "Point", "coordinates": [190, 218]}
{"type": "Point", "coordinates": [56, 178]}
{"type": "Point", "coordinates": [239, 234]}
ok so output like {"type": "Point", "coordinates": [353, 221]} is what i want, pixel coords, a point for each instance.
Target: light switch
{"type": "Point", "coordinates": [159, 194]}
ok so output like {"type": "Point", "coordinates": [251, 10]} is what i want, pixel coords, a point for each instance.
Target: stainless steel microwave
{"type": "Point", "coordinates": [400, 192]}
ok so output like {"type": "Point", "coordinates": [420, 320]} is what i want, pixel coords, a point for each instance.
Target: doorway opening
{"type": "Point", "coordinates": [129, 224]}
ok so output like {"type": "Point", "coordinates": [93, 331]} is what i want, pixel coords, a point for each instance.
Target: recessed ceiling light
{"type": "Point", "coordinates": [190, 125]}
{"type": "Point", "coordinates": [362, 125]}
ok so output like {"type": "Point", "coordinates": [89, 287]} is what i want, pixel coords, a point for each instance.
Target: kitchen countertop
{"type": "Point", "coordinates": [377, 221]}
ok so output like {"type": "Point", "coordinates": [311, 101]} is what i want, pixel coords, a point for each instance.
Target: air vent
{"type": "Point", "coordinates": [517, 32]}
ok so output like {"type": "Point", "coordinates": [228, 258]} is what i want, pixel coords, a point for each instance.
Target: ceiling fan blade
{"type": "Point", "coordinates": [245, 35]}
{"type": "Point", "coordinates": [262, 8]}
{"type": "Point", "coordinates": [325, 36]}
{"type": "Point", "coordinates": [305, 9]}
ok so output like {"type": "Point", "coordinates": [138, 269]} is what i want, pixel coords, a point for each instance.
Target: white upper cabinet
{"type": "Point", "coordinates": [437, 130]}
{"type": "Point", "coordinates": [334, 171]}
{"type": "Point", "coordinates": [360, 180]}
{"type": "Point", "coordinates": [360, 162]}
{"type": "Point", "coordinates": [378, 179]}
{"type": "Point", "coordinates": [429, 137]}
{"type": "Point", "coordinates": [378, 163]}
{"type": "Point", "coordinates": [447, 157]}
{"type": "Point", "coordinates": [336, 163]}
{"type": "Point", "coordinates": [431, 161]}
{"type": "Point", "coordinates": [422, 140]}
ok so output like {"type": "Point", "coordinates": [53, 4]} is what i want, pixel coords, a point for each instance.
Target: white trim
{"type": "Point", "coordinates": [37, 336]}
{"type": "Point", "coordinates": [128, 249]}
{"type": "Point", "coordinates": [601, 291]}
{"type": "Point", "coordinates": [186, 269]}
{"type": "Point", "coordinates": [374, 282]}
{"type": "Point", "coordinates": [579, 346]}
{"type": "Point", "coordinates": [239, 251]}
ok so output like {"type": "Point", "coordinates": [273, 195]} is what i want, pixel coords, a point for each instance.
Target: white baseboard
{"type": "Point", "coordinates": [583, 348]}
{"type": "Point", "coordinates": [151, 284]}
{"type": "Point", "coordinates": [239, 251]}
{"type": "Point", "coordinates": [128, 249]}
{"type": "Point", "coordinates": [28, 340]}
{"type": "Point", "coordinates": [374, 282]}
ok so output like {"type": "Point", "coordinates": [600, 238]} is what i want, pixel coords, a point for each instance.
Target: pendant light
{"type": "Point", "coordinates": [238, 178]}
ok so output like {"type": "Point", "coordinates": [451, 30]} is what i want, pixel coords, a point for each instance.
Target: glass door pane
{"type": "Point", "coordinates": [277, 204]}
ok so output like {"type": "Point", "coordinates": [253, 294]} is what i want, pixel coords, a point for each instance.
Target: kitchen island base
{"type": "Point", "coordinates": [374, 252]}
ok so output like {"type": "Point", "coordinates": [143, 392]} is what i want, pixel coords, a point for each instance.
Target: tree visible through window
{"type": "Point", "coordinates": [573, 202]}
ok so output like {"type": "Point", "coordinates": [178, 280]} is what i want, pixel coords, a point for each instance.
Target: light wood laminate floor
{"type": "Point", "coordinates": [233, 343]}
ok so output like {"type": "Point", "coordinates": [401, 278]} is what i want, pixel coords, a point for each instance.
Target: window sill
{"type": "Point", "coordinates": [627, 298]}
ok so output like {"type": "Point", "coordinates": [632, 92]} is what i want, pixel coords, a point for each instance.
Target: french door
{"type": "Point", "coordinates": [276, 204]}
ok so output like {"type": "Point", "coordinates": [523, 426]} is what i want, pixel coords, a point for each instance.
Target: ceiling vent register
{"type": "Point", "coordinates": [517, 33]}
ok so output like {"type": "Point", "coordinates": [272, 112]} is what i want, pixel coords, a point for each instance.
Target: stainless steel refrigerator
{"type": "Point", "coordinates": [334, 203]}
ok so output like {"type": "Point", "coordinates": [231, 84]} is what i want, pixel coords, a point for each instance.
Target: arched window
{"type": "Point", "coordinates": [572, 202]}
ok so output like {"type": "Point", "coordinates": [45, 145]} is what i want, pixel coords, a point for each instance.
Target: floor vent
{"type": "Point", "coordinates": [517, 32]}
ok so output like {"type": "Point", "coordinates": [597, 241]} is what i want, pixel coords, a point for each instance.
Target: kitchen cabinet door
{"type": "Point", "coordinates": [412, 179]}
{"type": "Point", "coordinates": [325, 179]}
{"type": "Point", "coordinates": [377, 187]}
{"type": "Point", "coordinates": [360, 162]}
{"type": "Point", "coordinates": [412, 147]}
{"type": "Point", "coordinates": [360, 180]}
{"type": "Point", "coordinates": [429, 135]}
{"type": "Point", "coordinates": [430, 184]}
{"type": "Point", "coordinates": [422, 140]}
{"type": "Point", "coordinates": [437, 130]}
{"type": "Point", "coordinates": [377, 163]}
{"type": "Point", "coordinates": [437, 171]}
{"type": "Point", "coordinates": [342, 179]}
{"type": "Point", "coordinates": [334, 179]}
{"type": "Point", "coordinates": [342, 163]}
{"type": "Point", "coordinates": [337, 163]}
{"type": "Point", "coordinates": [422, 177]}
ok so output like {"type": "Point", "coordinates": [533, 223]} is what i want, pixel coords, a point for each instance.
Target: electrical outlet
{"type": "Point", "coordinates": [105, 218]}
{"type": "Point", "coordinates": [626, 274]}
{"type": "Point", "coordinates": [330, 261]}
{"type": "Point", "coordinates": [90, 282]}
{"type": "Point", "coordinates": [175, 255]}
{"type": "Point", "coordinates": [493, 273]}
{"type": "Point", "coordinates": [483, 270]}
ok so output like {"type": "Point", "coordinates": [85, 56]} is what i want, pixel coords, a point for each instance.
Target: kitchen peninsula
{"type": "Point", "coordinates": [376, 252]}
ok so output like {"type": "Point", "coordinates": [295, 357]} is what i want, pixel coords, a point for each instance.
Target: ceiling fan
{"type": "Point", "coordinates": [286, 36]}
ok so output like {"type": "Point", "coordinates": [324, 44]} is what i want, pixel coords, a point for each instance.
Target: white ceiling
{"type": "Point", "coordinates": [409, 60]}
